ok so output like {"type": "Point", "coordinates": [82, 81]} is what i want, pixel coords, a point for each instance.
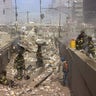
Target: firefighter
{"type": "Point", "coordinates": [80, 40]}
{"type": "Point", "coordinates": [91, 48]}
{"type": "Point", "coordinates": [19, 65]}
{"type": "Point", "coordinates": [39, 57]}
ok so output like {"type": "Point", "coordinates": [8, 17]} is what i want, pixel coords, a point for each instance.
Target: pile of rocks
{"type": "Point", "coordinates": [4, 39]}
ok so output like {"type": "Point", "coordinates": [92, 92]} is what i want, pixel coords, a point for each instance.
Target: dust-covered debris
{"type": "Point", "coordinates": [47, 76]}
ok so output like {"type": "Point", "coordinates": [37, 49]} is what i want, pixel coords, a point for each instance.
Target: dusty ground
{"type": "Point", "coordinates": [50, 87]}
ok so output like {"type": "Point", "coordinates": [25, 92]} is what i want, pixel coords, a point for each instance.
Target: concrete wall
{"type": "Point", "coordinates": [82, 75]}
{"type": "Point", "coordinates": [6, 12]}
{"type": "Point", "coordinates": [6, 53]}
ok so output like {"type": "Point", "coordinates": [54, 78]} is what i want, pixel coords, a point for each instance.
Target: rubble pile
{"type": "Point", "coordinates": [29, 41]}
{"type": "Point", "coordinates": [43, 75]}
{"type": "Point", "coordinates": [51, 54]}
{"type": "Point", "coordinates": [41, 82]}
{"type": "Point", "coordinates": [10, 68]}
{"type": "Point", "coordinates": [30, 59]}
{"type": "Point", "coordinates": [4, 38]}
{"type": "Point", "coordinates": [47, 88]}
{"type": "Point", "coordinates": [5, 28]}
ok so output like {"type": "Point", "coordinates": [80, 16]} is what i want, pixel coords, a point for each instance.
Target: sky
{"type": "Point", "coordinates": [33, 6]}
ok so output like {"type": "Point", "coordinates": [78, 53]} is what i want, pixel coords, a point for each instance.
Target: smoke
{"type": "Point", "coordinates": [57, 7]}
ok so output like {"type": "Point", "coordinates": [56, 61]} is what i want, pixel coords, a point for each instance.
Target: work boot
{"type": "Point", "coordinates": [11, 84]}
{"type": "Point", "coordinates": [27, 77]}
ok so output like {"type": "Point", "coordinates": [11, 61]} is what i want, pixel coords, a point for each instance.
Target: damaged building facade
{"type": "Point", "coordinates": [90, 11]}
{"type": "Point", "coordinates": [6, 11]}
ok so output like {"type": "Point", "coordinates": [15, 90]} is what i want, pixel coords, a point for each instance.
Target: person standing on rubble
{"type": "Point", "coordinates": [19, 64]}
{"type": "Point", "coordinates": [80, 40]}
{"type": "Point", "coordinates": [65, 70]}
{"type": "Point", "coordinates": [91, 48]}
{"type": "Point", "coordinates": [39, 57]}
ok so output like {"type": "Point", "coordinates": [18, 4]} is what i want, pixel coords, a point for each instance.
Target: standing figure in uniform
{"type": "Point", "coordinates": [91, 48]}
{"type": "Point", "coordinates": [19, 65]}
{"type": "Point", "coordinates": [39, 57]}
{"type": "Point", "coordinates": [80, 40]}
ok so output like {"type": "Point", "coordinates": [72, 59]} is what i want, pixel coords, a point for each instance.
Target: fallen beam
{"type": "Point", "coordinates": [43, 79]}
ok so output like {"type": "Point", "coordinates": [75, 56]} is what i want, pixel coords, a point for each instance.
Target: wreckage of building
{"type": "Point", "coordinates": [46, 43]}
